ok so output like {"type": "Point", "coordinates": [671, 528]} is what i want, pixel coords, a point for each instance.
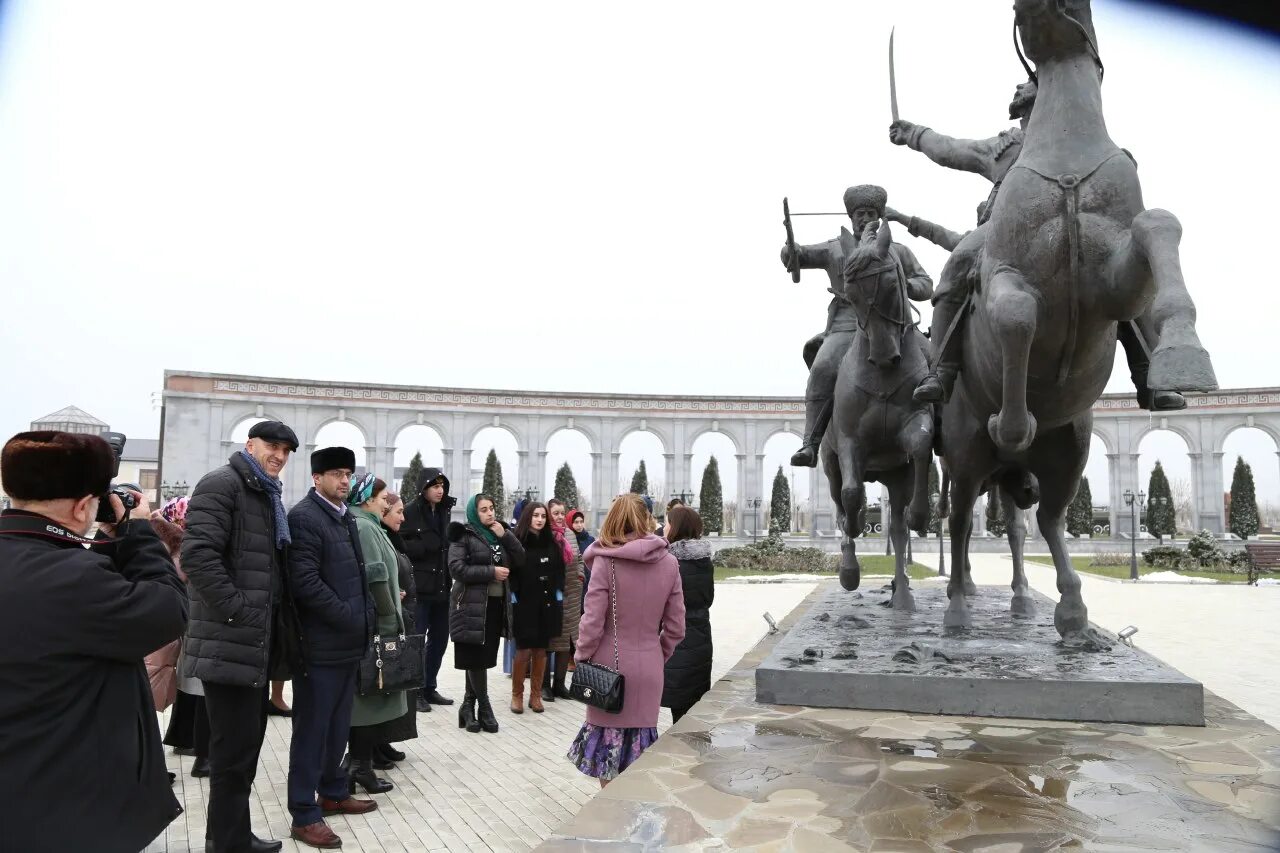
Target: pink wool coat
{"type": "Point", "coordinates": [650, 624]}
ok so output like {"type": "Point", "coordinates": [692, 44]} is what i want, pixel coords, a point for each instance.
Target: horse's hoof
{"type": "Point", "coordinates": [851, 576]}
{"type": "Point", "coordinates": [1070, 616]}
{"type": "Point", "coordinates": [957, 613]}
{"type": "Point", "coordinates": [903, 599]}
{"type": "Point", "coordinates": [1023, 606]}
{"type": "Point", "coordinates": [1012, 435]}
{"type": "Point", "coordinates": [1184, 367]}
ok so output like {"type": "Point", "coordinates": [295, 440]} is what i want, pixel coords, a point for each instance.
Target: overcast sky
{"type": "Point", "coordinates": [569, 196]}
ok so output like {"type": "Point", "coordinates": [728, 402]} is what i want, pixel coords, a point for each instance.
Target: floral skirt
{"type": "Point", "coordinates": [604, 752]}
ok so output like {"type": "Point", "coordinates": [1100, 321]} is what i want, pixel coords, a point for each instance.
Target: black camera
{"type": "Point", "coordinates": [106, 514]}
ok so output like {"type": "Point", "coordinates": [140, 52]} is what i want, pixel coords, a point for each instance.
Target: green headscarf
{"type": "Point", "coordinates": [473, 518]}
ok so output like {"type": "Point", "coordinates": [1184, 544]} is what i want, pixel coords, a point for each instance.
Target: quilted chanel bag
{"type": "Point", "coordinates": [392, 664]}
{"type": "Point", "coordinates": [595, 684]}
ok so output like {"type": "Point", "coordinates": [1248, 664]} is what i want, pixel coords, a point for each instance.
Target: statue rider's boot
{"type": "Point", "coordinates": [1161, 401]}
{"type": "Point", "coordinates": [937, 384]}
{"type": "Point", "coordinates": [817, 416]}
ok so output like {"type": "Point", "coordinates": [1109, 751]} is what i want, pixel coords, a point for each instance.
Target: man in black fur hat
{"type": "Point", "coordinates": [327, 579]}
{"type": "Point", "coordinates": [80, 750]}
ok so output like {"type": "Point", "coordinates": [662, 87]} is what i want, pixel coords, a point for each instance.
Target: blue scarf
{"type": "Point", "coordinates": [274, 490]}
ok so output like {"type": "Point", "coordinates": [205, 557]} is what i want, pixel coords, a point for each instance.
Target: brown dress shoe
{"type": "Point", "coordinates": [348, 806]}
{"type": "Point", "coordinates": [316, 835]}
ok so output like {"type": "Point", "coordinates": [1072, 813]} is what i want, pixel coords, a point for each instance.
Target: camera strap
{"type": "Point", "coordinates": [35, 525]}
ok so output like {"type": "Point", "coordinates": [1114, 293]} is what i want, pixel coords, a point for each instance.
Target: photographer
{"type": "Point", "coordinates": [79, 744]}
{"type": "Point", "coordinates": [425, 533]}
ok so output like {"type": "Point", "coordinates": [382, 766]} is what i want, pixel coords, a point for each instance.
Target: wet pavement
{"type": "Point", "coordinates": [735, 774]}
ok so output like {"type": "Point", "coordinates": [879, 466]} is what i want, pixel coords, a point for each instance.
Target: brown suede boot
{"type": "Point", "coordinates": [535, 680]}
{"type": "Point", "coordinates": [519, 667]}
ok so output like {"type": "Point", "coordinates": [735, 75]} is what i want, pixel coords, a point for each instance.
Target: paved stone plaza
{"type": "Point", "coordinates": [513, 790]}
{"type": "Point", "coordinates": [459, 791]}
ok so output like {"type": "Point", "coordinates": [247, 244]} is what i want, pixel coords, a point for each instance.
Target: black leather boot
{"type": "Point", "coordinates": [467, 710]}
{"type": "Point", "coordinates": [362, 774]}
{"type": "Point", "coordinates": [484, 711]}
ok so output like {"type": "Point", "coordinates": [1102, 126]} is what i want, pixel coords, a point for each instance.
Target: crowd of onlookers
{"type": "Point", "coordinates": [229, 595]}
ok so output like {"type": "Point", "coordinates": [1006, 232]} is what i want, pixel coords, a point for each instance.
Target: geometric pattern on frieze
{"type": "Point", "coordinates": [1253, 398]}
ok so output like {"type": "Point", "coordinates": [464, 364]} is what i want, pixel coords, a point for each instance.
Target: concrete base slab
{"type": "Point", "coordinates": [850, 650]}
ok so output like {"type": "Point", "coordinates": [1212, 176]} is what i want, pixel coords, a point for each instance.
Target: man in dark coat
{"type": "Point", "coordinates": [327, 580]}
{"type": "Point", "coordinates": [426, 541]}
{"type": "Point", "coordinates": [233, 554]}
{"type": "Point", "coordinates": [80, 750]}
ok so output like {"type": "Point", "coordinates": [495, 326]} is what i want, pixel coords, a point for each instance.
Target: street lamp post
{"type": "Point", "coordinates": [168, 491]}
{"type": "Point", "coordinates": [686, 497]}
{"type": "Point", "coordinates": [1134, 502]}
{"type": "Point", "coordinates": [754, 503]}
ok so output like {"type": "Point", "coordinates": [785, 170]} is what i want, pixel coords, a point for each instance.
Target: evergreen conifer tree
{"type": "Point", "coordinates": [1243, 518]}
{"type": "Point", "coordinates": [710, 501]}
{"type": "Point", "coordinates": [780, 505]}
{"type": "Point", "coordinates": [409, 485]}
{"type": "Point", "coordinates": [1080, 512]}
{"type": "Point", "coordinates": [566, 488]}
{"type": "Point", "coordinates": [492, 486]}
{"type": "Point", "coordinates": [935, 488]}
{"type": "Point", "coordinates": [640, 480]}
{"type": "Point", "coordinates": [995, 514]}
{"type": "Point", "coordinates": [1160, 516]}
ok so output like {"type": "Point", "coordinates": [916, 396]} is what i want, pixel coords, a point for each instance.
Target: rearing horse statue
{"type": "Point", "coordinates": [878, 432]}
{"type": "Point", "coordinates": [1069, 252]}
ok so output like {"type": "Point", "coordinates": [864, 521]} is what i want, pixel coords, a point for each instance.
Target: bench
{"type": "Point", "coordinates": [1263, 557]}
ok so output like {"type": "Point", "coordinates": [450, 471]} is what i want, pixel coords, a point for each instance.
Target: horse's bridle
{"type": "Point", "coordinates": [904, 323]}
{"type": "Point", "coordinates": [1061, 6]}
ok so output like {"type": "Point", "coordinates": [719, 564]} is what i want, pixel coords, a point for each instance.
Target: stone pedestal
{"type": "Point", "coordinates": [851, 651]}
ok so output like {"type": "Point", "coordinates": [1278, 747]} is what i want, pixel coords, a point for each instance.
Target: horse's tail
{"type": "Point", "coordinates": [944, 497]}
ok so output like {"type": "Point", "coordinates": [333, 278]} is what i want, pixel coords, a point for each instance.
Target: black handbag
{"type": "Point", "coordinates": [593, 683]}
{"type": "Point", "coordinates": [392, 664]}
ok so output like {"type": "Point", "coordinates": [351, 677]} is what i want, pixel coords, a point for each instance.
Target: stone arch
{"type": "Point", "coordinates": [1260, 424]}
{"type": "Point", "coordinates": [343, 417]}
{"type": "Point", "coordinates": [488, 424]}
{"type": "Point", "coordinates": [415, 438]}
{"type": "Point", "coordinates": [505, 441]}
{"type": "Point", "coordinates": [342, 433]}
{"type": "Point", "coordinates": [237, 424]}
{"type": "Point", "coordinates": [1098, 468]}
{"type": "Point", "coordinates": [717, 429]}
{"type": "Point", "coordinates": [572, 445]}
{"type": "Point", "coordinates": [401, 421]}
{"type": "Point", "coordinates": [776, 450]}
{"type": "Point", "coordinates": [659, 430]}
{"type": "Point", "coordinates": [1176, 426]}
{"type": "Point", "coordinates": [718, 443]}
{"type": "Point", "coordinates": [588, 430]}
{"type": "Point", "coordinates": [1249, 442]}
{"type": "Point", "coordinates": [642, 442]}
{"type": "Point", "coordinates": [1162, 444]}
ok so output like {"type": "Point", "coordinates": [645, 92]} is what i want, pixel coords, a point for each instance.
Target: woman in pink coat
{"type": "Point", "coordinates": [650, 614]}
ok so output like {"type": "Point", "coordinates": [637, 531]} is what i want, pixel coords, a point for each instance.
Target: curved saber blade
{"type": "Point", "coordinates": [893, 79]}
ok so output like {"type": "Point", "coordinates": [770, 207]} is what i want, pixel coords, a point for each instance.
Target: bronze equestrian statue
{"type": "Point", "coordinates": [1069, 253]}
{"type": "Point", "coordinates": [992, 158]}
{"type": "Point", "coordinates": [878, 432]}
{"type": "Point", "coordinates": [823, 353]}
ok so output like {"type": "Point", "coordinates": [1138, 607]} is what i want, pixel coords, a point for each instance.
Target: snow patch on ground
{"type": "Point", "coordinates": [1174, 577]}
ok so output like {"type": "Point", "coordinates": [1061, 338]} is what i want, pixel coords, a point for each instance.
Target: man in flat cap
{"type": "Point", "coordinates": [233, 554]}
{"type": "Point", "coordinates": [865, 205]}
{"type": "Point", "coordinates": [327, 579]}
{"type": "Point", "coordinates": [80, 751]}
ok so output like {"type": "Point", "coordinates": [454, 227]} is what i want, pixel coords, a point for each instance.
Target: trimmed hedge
{"type": "Point", "coordinates": [771, 555]}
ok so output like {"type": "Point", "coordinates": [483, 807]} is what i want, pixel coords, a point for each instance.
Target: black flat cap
{"type": "Point", "coordinates": [274, 431]}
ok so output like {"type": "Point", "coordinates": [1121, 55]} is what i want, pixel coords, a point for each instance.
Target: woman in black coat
{"type": "Point", "coordinates": [482, 554]}
{"type": "Point", "coordinates": [688, 672]}
{"type": "Point", "coordinates": [537, 607]}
